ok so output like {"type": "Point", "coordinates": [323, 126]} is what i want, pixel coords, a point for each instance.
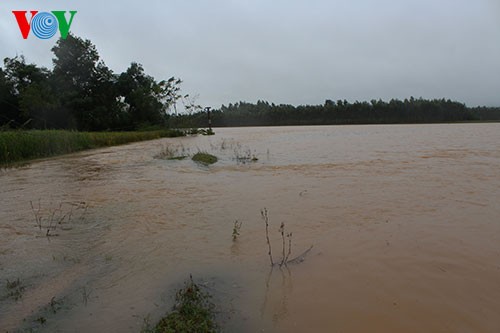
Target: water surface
{"type": "Point", "coordinates": [404, 220]}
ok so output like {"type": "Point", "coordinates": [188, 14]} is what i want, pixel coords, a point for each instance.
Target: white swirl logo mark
{"type": "Point", "coordinates": [44, 25]}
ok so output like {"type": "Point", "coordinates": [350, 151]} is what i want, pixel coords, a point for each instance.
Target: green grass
{"type": "Point", "coordinates": [193, 312]}
{"type": "Point", "coordinates": [20, 146]}
{"type": "Point", "coordinates": [204, 158]}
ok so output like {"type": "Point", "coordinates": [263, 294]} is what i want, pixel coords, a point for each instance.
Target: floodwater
{"type": "Point", "coordinates": [405, 223]}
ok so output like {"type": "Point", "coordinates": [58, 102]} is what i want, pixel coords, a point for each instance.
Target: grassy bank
{"type": "Point", "coordinates": [19, 146]}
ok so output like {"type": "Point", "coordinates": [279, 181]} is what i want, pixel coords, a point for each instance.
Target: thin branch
{"type": "Point", "coordinates": [282, 232]}
{"type": "Point", "coordinates": [300, 258]}
{"type": "Point", "coordinates": [289, 236]}
{"type": "Point", "coordinates": [265, 218]}
{"type": "Point", "coordinates": [38, 218]}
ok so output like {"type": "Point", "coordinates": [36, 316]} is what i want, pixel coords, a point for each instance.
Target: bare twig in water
{"type": "Point", "coordinates": [51, 225]}
{"type": "Point", "coordinates": [85, 295]}
{"type": "Point", "coordinates": [300, 258]}
{"type": "Point", "coordinates": [38, 218]}
{"type": "Point", "coordinates": [289, 236]}
{"type": "Point", "coordinates": [282, 232]}
{"type": "Point", "coordinates": [50, 218]}
{"type": "Point", "coordinates": [85, 207]}
{"type": "Point", "coordinates": [265, 218]}
{"type": "Point", "coordinates": [236, 229]}
{"type": "Point", "coordinates": [285, 254]}
{"type": "Point", "coordinates": [67, 215]}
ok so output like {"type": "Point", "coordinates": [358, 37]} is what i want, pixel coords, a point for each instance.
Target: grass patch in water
{"type": "Point", "coordinates": [192, 312]}
{"type": "Point", "coordinates": [18, 146]}
{"type": "Point", "coordinates": [204, 158]}
{"type": "Point", "coordinates": [15, 289]}
{"type": "Point", "coordinates": [172, 153]}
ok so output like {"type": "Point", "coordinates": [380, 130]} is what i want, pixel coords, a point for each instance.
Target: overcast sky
{"type": "Point", "coordinates": [289, 51]}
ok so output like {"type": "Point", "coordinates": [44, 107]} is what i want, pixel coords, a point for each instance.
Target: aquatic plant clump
{"type": "Point", "coordinates": [193, 312]}
{"type": "Point", "coordinates": [15, 289]}
{"type": "Point", "coordinates": [204, 158]}
{"type": "Point", "coordinates": [236, 230]}
{"type": "Point", "coordinates": [169, 152]}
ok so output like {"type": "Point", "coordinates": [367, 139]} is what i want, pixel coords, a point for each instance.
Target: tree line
{"type": "Point", "coordinates": [82, 93]}
{"type": "Point", "coordinates": [338, 112]}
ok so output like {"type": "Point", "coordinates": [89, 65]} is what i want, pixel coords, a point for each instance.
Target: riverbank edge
{"type": "Point", "coordinates": [19, 147]}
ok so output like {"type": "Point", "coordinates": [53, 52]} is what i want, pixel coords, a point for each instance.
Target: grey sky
{"type": "Point", "coordinates": [289, 51]}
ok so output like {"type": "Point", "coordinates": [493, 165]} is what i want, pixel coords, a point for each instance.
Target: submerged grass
{"type": "Point", "coordinates": [169, 152]}
{"type": "Point", "coordinates": [193, 312]}
{"type": "Point", "coordinates": [204, 158]}
{"type": "Point", "coordinates": [15, 289]}
{"type": "Point", "coordinates": [19, 146]}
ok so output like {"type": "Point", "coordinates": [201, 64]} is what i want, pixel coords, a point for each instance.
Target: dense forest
{"type": "Point", "coordinates": [340, 112]}
{"type": "Point", "coordinates": [80, 92]}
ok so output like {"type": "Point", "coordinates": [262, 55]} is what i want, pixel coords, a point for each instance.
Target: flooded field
{"type": "Point", "coordinates": [405, 223]}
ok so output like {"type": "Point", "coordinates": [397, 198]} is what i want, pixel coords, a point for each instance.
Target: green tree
{"type": "Point", "coordinates": [36, 101]}
{"type": "Point", "coordinates": [21, 75]}
{"type": "Point", "coordinates": [137, 90]}
{"type": "Point", "coordinates": [9, 107]}
{"type": "Point", "coordinates": [147, 101]}
{"type": "Point", "coordinates": [86, 86]}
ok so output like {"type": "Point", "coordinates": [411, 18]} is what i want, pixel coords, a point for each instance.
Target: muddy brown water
{"type": "Point", "coordinates": [405, 223]}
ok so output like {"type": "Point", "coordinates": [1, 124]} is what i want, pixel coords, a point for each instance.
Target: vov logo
{"type": "Point", "coordinates": [44, 25]}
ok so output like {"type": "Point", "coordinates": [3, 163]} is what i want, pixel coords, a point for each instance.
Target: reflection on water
{"type": "Point", "coordinates": [278, 287]}
{"type": "Point", "coordinates": [404, 222]}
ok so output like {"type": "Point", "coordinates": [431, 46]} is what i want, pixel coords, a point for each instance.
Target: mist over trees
{"type": "Point", "coordinates": [81, 93]}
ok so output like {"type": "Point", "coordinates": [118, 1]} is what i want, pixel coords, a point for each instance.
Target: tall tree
{"type": "Point", "coordinates": [141, 94]}
{"type": "Point", "coordinates": [85, 84]}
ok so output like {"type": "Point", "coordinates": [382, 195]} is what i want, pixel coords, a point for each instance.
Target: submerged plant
{"type": "Point", "coordinates": [169, 152]}
{"type": "Point", "coordinates": [208, 131]}
{"type": "Point", "coordinates": [245, 157]}
{"type": "Point", "coordinates": [15, 289]}
{"type": "Point", "coordinates": [192, 312]}
{"type": "Point", "coordinates": [85, 295]}
{"type": "Point", "coordinates": [55, 305]}
{"type": "Point", "coordinates": [226, 144]}
{"type": "Point", "coordinates": [204, 158]}
{"type": "Point", "coordinates": [265, 218]}
{"type": "Point", "coordinates": [286, 251]}
{"type": "Point", "coordinates": [51, 218]}
{"type": "Point", "coordinates": [236, 229]}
